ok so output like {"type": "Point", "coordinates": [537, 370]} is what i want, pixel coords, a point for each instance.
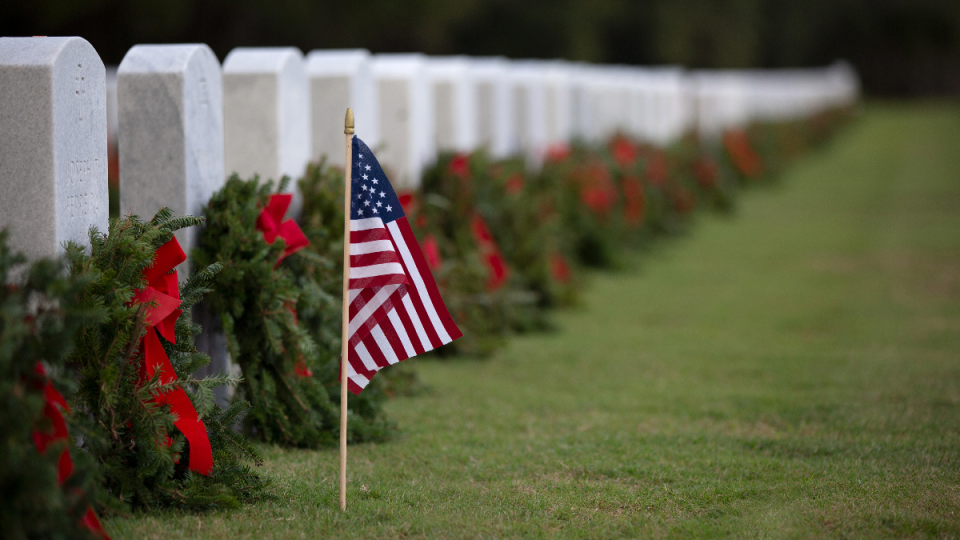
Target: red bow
{"type": "Point", "coordinates": [271, 223]}
{"type": "Point", "coordinates": [53, 403]}
{"type": "Point", "coordinates": [497, 271]}
{"type": "Point", "coordinates": [163, 290]}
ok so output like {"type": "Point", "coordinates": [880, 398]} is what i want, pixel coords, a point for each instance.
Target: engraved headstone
{"type": "Point", "coordinates": [494, 105]}
{"type": "Point", "coordinates": [266, 114]}
{"type": "Point", "coordinates": [454, 103]}
{"type": "Point", "coordinates": [340, 79]}
{"type": "Point", "coordinates": [53, 143]}
{"type": "Point", "coordinates": [406, 117]}
{"type": "Point", "coordinates": [170, 110]}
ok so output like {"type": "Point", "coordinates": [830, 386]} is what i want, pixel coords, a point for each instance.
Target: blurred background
{"type": "Point", "coordinates": [900, 47]}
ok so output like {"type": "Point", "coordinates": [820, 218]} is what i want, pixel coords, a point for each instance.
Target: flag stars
{"type": "Point", "coordinates": [379, 203]}
{"type": "Point", "coordinates": [366, 203]}
{"type": "Point", "coordinates": [375, 211]}
{"type": "Point", "coordinates": [382, 194]}
{"type": "Point", "coordinates": [365, 177]}
{"type": "Point", "coordinates": [367, 167]}
{"type": "Point", "coordinates": [375, 181]}
{"type": "Point", "coordinates": [389, 208]}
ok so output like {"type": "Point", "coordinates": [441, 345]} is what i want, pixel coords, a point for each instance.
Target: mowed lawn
{"type": "Point", "coordinates": [791, 371]}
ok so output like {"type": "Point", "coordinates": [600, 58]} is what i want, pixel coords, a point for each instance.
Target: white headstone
{"type": "Point", "coordinates": [170, 109]}
{"type": "Point", "coordinates": [340, 79]}
{"type": "Point", "coordinates": [266, 114]}
{"type": "Point", "coordinates": [454, 103]}
{"type": "Point", "coordinates": [559, 102]}
{"type": "Point", "coordinates": [494, 105]}
{"type": "Point", "coordinates": [406, 117]}
{"type": "Point", "coordinates": [53, 143]}
{"type": "Point", "coordinates": [530, 107]}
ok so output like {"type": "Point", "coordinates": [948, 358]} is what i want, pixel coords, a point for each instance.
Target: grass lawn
{"type": "Point", "coordinates": [792, 371]}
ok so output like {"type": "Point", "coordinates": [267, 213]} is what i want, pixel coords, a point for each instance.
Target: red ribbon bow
{"type": "Point", "coordinates": [497, 270]}
{"type": "Point", "coordinates": [270, 222]}
{"type": "Point", "coordinates": [163, 290]}
{"type": "Point", "coordinates": [53, 403]}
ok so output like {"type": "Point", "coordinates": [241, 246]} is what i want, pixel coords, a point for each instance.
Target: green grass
{"type": "Point", "coordinates": [792, 371]}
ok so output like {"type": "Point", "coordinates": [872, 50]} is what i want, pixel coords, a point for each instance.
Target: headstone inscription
{"type": "Point", "coordinates": [170, 111]}
{"type": "Point", "coordinates": [53, 143]}
{"type": "Point", "coordinates": [340, 79]}
{"type": "Point", "coordinates": [406, 117]}
{"type": "Point", "coordinates": [266, 114]}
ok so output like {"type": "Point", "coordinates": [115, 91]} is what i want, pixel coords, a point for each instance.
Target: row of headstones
{"type": "Point", "coordinates": [184, 122]}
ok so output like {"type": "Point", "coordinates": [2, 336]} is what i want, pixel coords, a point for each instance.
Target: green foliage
{"type": "Point", "coordinates": [39, 316]}
{"type": "Point", "coordinates": [124, 431]}
{"type": "Point", "coordinates": [276, 319]}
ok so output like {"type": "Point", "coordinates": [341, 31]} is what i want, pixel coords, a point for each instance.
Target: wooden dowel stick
{"type": "Point", "coordinates": [344, 366]}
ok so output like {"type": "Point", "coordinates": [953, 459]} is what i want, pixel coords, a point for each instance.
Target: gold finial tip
{"type": "Point", "coordinates": [348, 123]}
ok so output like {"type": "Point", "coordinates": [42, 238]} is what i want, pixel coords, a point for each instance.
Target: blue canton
{"type": "Point", "coordinates": [371, 194]}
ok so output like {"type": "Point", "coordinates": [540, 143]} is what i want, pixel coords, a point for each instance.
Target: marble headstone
{"type": "Point", "coordinates": [559, 102]}
{"type": "Point", "coordinates": [340, 79]}
{"type": "Point", "coordinates": [454, 103]}
{"type": "Point", "coordinates": [494, 105]}
{"type": "Point", "coordinates": [170, 110]}
{"type": "Point", "coordinates": [406, 117]}
{"type": "Point", "coordinates": [530, 111]}
{"type": "Point", "coordinates": [53, 143]}
{"type": "Point", "coordinates": [266, 114]}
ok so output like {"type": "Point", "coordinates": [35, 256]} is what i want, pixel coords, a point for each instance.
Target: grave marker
{"type": "Point", "coordinates": [266, 114]}
{"type": "Point", "coordinates": [406, 117]}
{"type": "Point", "coordinates": [494, 105]}
{"type": "Point", "coordinates": [170, 111]}
{"type": "Point", "coordinates": [340, 79]}
{"type": "Point", "coordinates": [53, 143]}
{"type": "Point", "coordinates": [454, 104]}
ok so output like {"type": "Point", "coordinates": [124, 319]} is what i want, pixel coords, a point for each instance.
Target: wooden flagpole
{"type": "Point", "coordinates": [344, 366]}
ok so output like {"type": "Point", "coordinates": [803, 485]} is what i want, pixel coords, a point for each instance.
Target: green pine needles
{"type": "Point", "coordinates": [39, 317]}
{"type": "Point", "coordinates": [282, 325]}
{"type": "Point", "coordinates": [142, 456]}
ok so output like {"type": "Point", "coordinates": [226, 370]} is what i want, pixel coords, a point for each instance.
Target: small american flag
{"type": "Point", "coordinates": [395, 308]}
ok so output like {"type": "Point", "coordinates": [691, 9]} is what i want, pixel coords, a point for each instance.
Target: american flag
{"type": "Point", "coordinates": [395, 308]}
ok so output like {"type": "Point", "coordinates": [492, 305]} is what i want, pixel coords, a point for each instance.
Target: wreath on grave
{"type": "Point", "coordinates": [280, 319]}
{"type": "Point", "coordinates": [153, 429]}
{"type": "Point", "coordinates": [48, 486]}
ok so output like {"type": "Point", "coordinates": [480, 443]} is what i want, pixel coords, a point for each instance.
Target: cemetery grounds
{"type": "Point", "coordinates": [790, 371]}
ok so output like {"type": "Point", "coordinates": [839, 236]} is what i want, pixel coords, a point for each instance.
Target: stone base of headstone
{"type": "Point", "coordinates": [213, 342]}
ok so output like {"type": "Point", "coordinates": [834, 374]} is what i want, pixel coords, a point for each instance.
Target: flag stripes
{"type": "Point", "coordinates": [409, 321]}
{"type": "Point", "coordinates": [395, 309]}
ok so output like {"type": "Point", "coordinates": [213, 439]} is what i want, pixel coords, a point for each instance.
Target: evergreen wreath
{"type": "Point", "coordinates": [141, 454]}
{"type": "Point", "coordinates": [39, 316]}
{"type": "Point", "coordinates": [270, 315]}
